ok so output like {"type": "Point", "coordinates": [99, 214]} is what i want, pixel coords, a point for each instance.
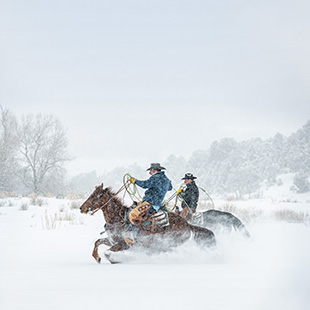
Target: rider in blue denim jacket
{"type": "Point", "coordinates": [157, 186]}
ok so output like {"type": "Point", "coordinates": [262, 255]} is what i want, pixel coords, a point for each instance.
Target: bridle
{"type": "Point", "coordinates": [94, 206]}
{"type": "Point", "coordinates": [90, 207]}
{"type": "Point", "coordinates": [105, 204]}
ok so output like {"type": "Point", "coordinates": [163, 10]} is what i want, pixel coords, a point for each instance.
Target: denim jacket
{"type": "Point", "coordinates": [157, 187]}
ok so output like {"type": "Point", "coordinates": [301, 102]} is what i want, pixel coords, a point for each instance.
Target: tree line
{"type": "Point", "coordinates": [228, 166]}
{"type": "Point", "coordinates": [33, 151]}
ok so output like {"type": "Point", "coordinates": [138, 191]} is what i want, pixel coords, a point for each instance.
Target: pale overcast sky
{"type": "Point", "coordinates": [136, 81]}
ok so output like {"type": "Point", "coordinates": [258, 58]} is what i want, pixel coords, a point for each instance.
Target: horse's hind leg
{"type": "Point", "coordinates": [203, 236]}
{"type": "Point", "coordinates": [95, 254]}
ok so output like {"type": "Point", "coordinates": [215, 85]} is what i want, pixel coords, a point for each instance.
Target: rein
{"type": "Point", "coordinates": [122, 188]}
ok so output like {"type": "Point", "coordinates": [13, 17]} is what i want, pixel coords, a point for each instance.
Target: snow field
{"type": "Point", "coordinates": [53, 268]}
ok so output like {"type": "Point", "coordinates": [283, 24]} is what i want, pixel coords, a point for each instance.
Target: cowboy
{"type": "Point", "coordinates": [157, 186]}
{"type": "Point", "coordinates": [189, 196]}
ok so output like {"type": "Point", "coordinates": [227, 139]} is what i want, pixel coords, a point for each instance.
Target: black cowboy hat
{"type": "Point", "coordinates": [155, 166]}
{"type": "Point", "coordinates": [189, 176]}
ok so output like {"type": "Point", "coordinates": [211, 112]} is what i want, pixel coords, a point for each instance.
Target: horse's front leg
{"type": "Point", "coordinates": [120, 246]}
{"type": "Point", "coordinates": [95, 254]}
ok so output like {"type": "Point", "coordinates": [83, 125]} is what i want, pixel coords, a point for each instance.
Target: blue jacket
{"type": "Point", "coordinates": [157, 187]}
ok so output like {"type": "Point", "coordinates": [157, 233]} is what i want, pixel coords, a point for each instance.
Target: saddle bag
{"type": "Point", "coordinates": [139, 213]}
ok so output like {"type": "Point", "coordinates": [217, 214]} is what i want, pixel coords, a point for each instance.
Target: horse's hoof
{"type": "Point", "coordinates": [110, 259]}
{"type": "Point", "coordinates": [97, 259]}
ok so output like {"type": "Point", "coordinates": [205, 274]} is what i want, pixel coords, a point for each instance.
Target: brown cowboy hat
{"type": "Point", "coordinates": [156, 166]}
{"type": "Point", "coordinates": [189, 176]}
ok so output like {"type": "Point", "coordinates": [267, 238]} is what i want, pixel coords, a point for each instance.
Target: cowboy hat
{"type": "Point", "coordinates": [189, 176]}
{"type": "Point", "coordinates": [155, 166]}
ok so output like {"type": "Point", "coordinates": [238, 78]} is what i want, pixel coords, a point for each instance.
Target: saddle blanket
{"type": "Point", "coordinates": [161, 218]}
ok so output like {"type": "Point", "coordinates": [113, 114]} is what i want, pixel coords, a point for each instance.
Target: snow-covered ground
{"type": "Point", "coordinates": [46, 263]}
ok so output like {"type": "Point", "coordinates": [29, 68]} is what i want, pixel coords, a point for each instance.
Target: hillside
{"type": "Point", "coordinates": [228, 167]}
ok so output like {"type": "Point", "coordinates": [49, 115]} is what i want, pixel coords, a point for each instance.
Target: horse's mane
{"type": "Point", "coordinates": [116, 199]}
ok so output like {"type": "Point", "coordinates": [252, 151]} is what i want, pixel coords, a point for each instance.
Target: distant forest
{"type": "Point", "coordinates": [227, 166]}
{"type": "Point", "coordinates": [33, 151]}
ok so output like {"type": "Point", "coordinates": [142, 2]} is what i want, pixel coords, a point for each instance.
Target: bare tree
{"type": "Point", "coordinates": [43, 145]}
{"type": "Point", "coordinates": [8, 150]}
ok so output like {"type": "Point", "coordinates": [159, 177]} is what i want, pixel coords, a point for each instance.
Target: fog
{"type": "Point", "coordinates": [137, 81]}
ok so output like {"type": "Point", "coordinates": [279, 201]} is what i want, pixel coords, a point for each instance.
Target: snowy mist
{"type": "Point", "coordinates": [94, 90]}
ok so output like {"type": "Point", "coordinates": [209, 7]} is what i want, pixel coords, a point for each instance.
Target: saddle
{"type": "Point", "coordinates": [141, 217]}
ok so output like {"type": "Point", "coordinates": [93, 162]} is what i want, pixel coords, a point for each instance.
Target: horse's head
{"type": "Point", "coordinates": [93, 202]}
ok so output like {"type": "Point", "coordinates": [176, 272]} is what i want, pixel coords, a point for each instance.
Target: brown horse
{"type": "Point", "coordinates": [118, 227]}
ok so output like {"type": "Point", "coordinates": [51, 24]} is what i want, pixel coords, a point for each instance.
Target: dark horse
{"type": "Point", "coordinates": [118, 228]}
{"type": "Point", "coordinates": [219, 220]}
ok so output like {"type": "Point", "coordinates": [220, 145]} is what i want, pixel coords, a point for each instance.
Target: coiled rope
{"type": "Point", "coordinates": [179, 197]}
{"type": "Point", "coordinates": [131, 189]}
{"type": "Point", "coordinates": [208, 196]}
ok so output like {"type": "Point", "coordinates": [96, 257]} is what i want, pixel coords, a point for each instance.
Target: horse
{"type": "Point", "coordinates": [218, 220]}
{"type": "Point", "coordinates": [118, 228]}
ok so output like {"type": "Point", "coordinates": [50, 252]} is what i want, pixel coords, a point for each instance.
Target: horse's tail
{"type": "Point", "coordinates": [203, 236]}
{"type": "Point", "coordinates": [240, 226]}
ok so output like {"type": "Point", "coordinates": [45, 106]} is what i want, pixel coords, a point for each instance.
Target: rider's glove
{"type": "Point", "coordinates": [180, 191]}
{"type": "Point", "coordinates": [132, 180]}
